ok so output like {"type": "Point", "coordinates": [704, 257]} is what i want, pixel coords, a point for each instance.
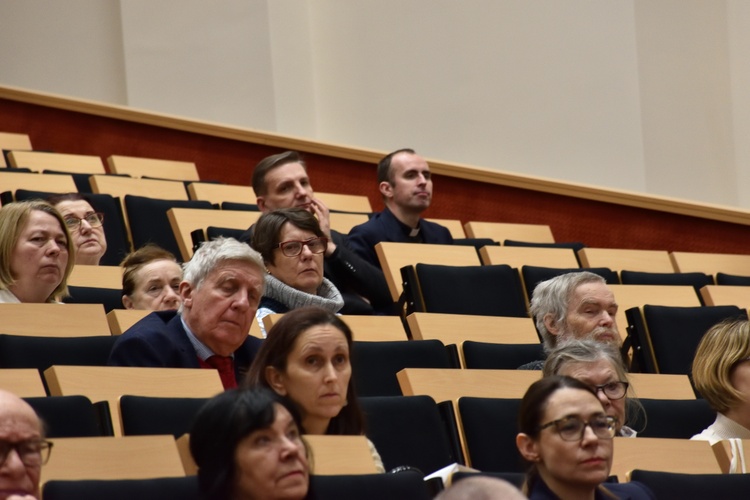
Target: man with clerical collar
{"type": "Point", "coordinates": [221, 288]}
{"type": "Point", "coordinates": [405, 183]}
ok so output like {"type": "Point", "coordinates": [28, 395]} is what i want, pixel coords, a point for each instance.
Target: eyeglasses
{"type": "Point", "coordinates": [33, 453]}
{"type": "Point", "coordinates": [94, 219]}
{"type": "Point", "coordinates": [293, 248]}
{"type": "Point", "coordinates": [572, 428]}
{"type": "Point", "coordinates": [613, 390]}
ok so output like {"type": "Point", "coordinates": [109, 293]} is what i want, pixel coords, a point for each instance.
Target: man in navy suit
{"type": "Point", "coordinates": [221, 288]}
{"type": "Point", "coordinates": [405, 182]}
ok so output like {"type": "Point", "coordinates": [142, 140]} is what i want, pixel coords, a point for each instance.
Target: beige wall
{"type": "Point", "coordinates": [643, 95]}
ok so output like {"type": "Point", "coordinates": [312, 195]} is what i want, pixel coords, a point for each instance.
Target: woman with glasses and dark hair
{"type": "Point", "coordinates": [292, 245]}
{"type": "Point", "coordinates": [85, 226]}
{"type": "Point", "coordinates": [36, 253]}
{"type": "Point", "coordinates": [247, 445]}
{"type": "Point", "coordinates": [566, 437]}
{"type": "Point", "coordinates": [721, 374]}
{"type": "Point", "coordinates": [600, 366]}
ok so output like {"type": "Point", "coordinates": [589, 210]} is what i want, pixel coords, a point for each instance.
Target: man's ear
{"type": "Point", "coordinates": [186, 292]}
{"type": "Point", "coordinates": [527, 447]}
{"type": "Point", "coordinates": [275, 380]}
{"type": "Point", "coordinates": [386, 189]}
{"type": "Point", "coordinates": [551, 324]}
{"type": "Point", "coordinates": [261, 202]}
{"type": "Point", "coordinates": [127, 302]}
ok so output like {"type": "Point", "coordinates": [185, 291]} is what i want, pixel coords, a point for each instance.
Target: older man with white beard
{"type": "Point", "coordinates": [573, 305]}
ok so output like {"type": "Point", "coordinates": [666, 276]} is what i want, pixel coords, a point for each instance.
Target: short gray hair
{"type": "Point", "coordinates": [553, 297]}
{"type": "Point", "coordinates": [214, 252]}
{"type": "Point", "coordinates": [573, 351]}
{"type": "Point", "coordinates": [584, 351]}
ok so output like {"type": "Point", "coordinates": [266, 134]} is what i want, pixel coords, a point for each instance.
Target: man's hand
{"type": "Point", "coordinates": [320, 210]}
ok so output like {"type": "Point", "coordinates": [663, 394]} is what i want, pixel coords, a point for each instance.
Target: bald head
{"type": "Point", "coordinates": [481, 488]}
{"type": "Point", "coordinates": [18, 424]}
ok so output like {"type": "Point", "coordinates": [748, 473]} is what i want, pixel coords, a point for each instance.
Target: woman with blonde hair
{"type": "Point", "coordinates": [721, 373]}
{"type": "Point", "coordinates": [36, 253]}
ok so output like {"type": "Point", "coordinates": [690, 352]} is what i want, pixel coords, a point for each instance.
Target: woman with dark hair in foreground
{"type": "Point", "coordinates": [247, 445]}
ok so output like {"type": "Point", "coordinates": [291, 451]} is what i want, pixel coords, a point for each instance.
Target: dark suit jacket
{"type": "Point", "coordinates": [632, 490]}
{"type": "Point", "coordinates": [353, 276]}
{"type": "Point", "coordinates": [159, 340]}
{"type": "Point", "coordinates": [384, 226]}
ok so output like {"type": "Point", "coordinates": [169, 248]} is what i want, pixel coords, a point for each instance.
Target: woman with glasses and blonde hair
{"type": "Point", "coordinates": [721, 374]}
{"type": "Point", "coordinates": [85, 226]}
{"type": "Point", "coordinates": [292, 245]}
{"type": "Point", "coordinates": [566, 437]}
{"type": "Point", "coordinates": [599, 365]}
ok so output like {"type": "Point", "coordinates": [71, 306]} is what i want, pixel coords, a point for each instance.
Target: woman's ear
{"type": "Point", "coordinates": [127, 302]}
{"type": "Point", "coordinates": [527, 447]}
{"type": "Point", "coordinates": [276, 380]}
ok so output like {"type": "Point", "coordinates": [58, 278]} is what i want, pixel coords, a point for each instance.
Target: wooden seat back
{"type": "Point", "coordinates": [345, 202]}
{"type": "Point", "coordinates": [23, 382]}
{"type": "Point", "coordinates": [96, 276]}
{"type": "Point", "coordinates": [455, 328]}
{"type": "Point", "coordinates": [666, 455]}
{"type": "Point", "coordinates": [628, 296]}
{"type": "Point", "coordinates": [186, 220]}
{"type": "Point", "coordinates": [74, 164]}
{"type": "Point", "coordinates": [219, 193]}
{"type": "Point", "coordinates": [501, 231]}
{"type": "Point", "coordinates": [449, 385]}
{"type": "Point", "coordinates": [120, 320]}
{"type": "Point", "coordinates": [151, 167]}
{"type": "Point", "coordinates": [364, 328]}
{"type": "Point", "coordinates": [564, 258]}
{"type": "Point", "coordinates": [647, 261]}
{"type": "Point", "coordinates": [10, 141]}
{"type": "Point", "coordinates": [53, 320]}
{"type": "Point", "coordinates": [13, 181]}
{"type": "Point", "coordinates": [108, 383]}
{"type": "Point", "coordinates": [394, 256]}
{"type": "Point", "coordinates": [711, 263]}
{"type": "Point", "coordinates": [127, 457]}
{"type": "Point", "coordinates": [343, 223]}
{"type": "Point", "coordinates": [725, 295]}
{"type": "Point", "coordinates": [453, 225]}
{"type": "Point", "coordinates": [149, 188]}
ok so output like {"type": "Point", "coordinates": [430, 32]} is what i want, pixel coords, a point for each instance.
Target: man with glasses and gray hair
{"type": "Point", "coordinates": [23, 449]}
{"type": "Point", "coordinates": [573, 305]}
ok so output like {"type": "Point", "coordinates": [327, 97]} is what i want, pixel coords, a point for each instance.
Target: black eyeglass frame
{"type": "Point", "coordinates": [611, 428]}
{"type": "Point", "coordinates": [44, 452]}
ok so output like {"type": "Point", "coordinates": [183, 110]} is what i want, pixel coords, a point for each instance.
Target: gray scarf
{"type": "Point", "coordinates": [328, 296]}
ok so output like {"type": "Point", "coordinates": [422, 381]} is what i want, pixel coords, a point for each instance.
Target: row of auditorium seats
{"type": "Point", "coordinates": [663, 338]}
{"type": "Point", "coordinates": [412, 430]}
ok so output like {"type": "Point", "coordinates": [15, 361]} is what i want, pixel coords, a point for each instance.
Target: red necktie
{"type": "Point", "coordinates": [225, 365]}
